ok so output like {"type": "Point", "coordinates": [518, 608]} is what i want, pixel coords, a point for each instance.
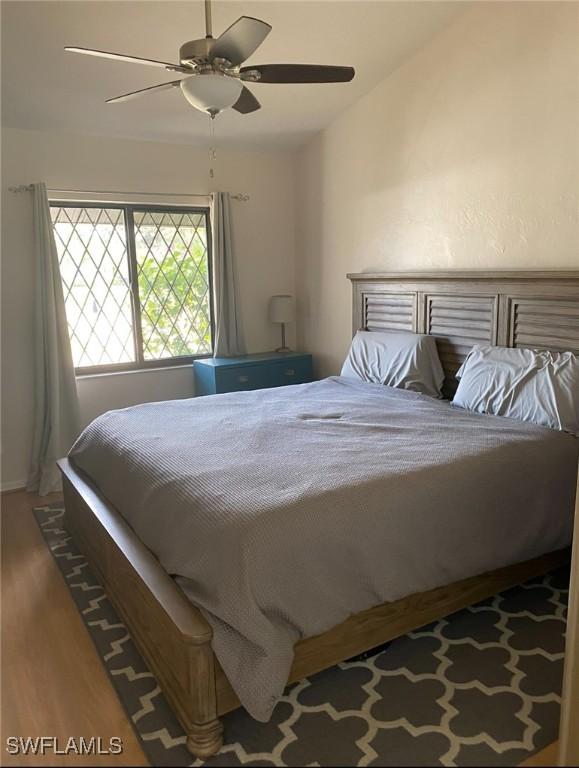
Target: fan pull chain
{"type": "Point", "coordinates": [212, 149]}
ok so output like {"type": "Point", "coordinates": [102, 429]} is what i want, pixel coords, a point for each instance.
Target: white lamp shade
{"type": "Point", "coordinates": [211, 93]}
{"type": "Point", "coordinates": [282, 309]}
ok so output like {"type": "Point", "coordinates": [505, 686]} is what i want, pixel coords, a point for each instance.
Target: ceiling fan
{"type": "Point", "coordinates": [215, 78]}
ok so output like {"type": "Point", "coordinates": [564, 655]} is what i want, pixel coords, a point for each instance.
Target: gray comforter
{"type": "Point", "coordinates": [283, 511]}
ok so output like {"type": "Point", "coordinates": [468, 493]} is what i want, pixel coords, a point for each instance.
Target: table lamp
{"type": "Point", "coordinates": [282, 311]}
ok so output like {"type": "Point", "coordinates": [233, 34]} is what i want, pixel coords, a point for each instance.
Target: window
{"type": "Point", "coordinates": [137, 284]}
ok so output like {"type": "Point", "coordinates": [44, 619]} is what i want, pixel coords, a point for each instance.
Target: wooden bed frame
{"type": "Point", "coordinates": [538, 309]}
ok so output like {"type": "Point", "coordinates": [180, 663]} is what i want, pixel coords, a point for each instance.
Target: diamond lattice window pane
{"type": "Point", "coordinates": [173, 276]}
{"type": "Point", "coordinates": [92, 251]}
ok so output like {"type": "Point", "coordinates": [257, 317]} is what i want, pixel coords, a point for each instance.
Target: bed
{"type": "Point", "coordinates": [176, 626]}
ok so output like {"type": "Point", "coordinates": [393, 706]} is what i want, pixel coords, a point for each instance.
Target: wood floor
{"type": "Point", "coordinates": [546, 757]}
{"type": "Point", "coordinates": [53, 683]}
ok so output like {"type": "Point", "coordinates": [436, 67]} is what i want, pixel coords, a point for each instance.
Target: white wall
{"type": "Point", "coordinates": [263, 227]}
{"type": "Point", "coordinates": [466, 156]}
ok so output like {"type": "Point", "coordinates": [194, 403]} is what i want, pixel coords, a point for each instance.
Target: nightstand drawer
{"type": "Point", "coordinates": [296, 371]}
{"type": "Point", "coordinates": [243, 377]}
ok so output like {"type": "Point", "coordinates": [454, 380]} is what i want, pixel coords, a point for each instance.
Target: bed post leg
{"type": "Point", "coordinates": [205, 740]}
{"type": "Point", "coordinates": [205, 730]}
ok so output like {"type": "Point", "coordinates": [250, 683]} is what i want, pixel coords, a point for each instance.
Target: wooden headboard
{"type": "Point", "coordinates": [532, 309]}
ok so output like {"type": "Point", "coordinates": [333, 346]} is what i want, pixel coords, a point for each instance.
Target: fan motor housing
{"type": "Point", "coordinates": [196, 50]}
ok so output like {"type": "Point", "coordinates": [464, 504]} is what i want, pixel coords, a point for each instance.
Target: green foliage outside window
{"type": "Point", "coordinates": [173, 290]}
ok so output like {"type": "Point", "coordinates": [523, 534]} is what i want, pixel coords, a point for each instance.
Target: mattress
{"type": "Point", "coordinates": [281, 512]}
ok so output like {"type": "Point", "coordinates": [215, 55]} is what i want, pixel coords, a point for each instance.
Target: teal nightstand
{"type": "Point", "coordinates": [215, 375]}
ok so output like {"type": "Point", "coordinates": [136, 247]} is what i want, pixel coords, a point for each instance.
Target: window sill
{"type": "Point", "coordinates": [132, 372]}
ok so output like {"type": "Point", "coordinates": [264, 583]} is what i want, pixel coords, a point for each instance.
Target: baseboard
{"type": "Point", "coordinates": [12, 485]}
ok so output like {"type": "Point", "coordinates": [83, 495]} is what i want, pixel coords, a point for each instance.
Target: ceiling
{"type": "Point", "coordinates": [44, 88]}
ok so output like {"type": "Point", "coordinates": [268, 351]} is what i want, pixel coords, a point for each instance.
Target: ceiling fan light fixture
{"type": "Point", "coordinates": [212, 92]}
{"type": "Point", "coordinates": [214, 75]}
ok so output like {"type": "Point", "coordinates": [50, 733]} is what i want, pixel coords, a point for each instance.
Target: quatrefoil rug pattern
{"type": "Point", "coordinates": [481, 687]}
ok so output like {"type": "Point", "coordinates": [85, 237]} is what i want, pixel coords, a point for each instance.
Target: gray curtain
{"type": "Point", "coordinates": [229, 340]}
{"type": "Point", "coordinates": [56, 411]}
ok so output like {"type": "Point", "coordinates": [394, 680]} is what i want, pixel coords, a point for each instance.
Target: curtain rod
{"type": "Point", "coordinates": [28, 188]}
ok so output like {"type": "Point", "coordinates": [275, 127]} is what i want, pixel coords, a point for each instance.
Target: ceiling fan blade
{"type": "Point", "coordinates": [297, 73]}
{"type": "Point", "coordinates": [131, 59]}
{"type": "Point", "coordinates": [246, 102]}
{"type": "Point", "coordinates": [240, 40]}
{"type": "Point", "coordinates": [134, 94]}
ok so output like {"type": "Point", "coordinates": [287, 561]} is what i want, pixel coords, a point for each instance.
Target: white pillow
{"type": "Point", "coordinates": [397, 359]}
{"type": "Point", "coordinates": [541, 387]}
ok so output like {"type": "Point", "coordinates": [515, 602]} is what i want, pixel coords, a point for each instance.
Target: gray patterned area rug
{"type": "Point", "coordinates": [481, 687]}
